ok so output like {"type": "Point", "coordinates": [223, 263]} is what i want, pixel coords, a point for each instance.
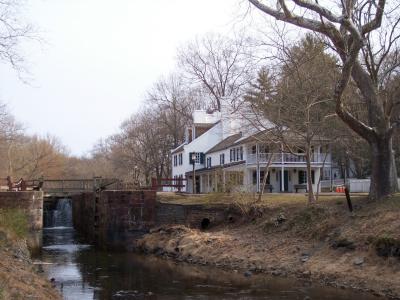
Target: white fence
{"type": "Point", "coordinates": [356, 185]}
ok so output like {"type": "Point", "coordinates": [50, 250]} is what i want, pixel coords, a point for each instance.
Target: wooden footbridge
{"type": "Point", "coordinates": [67, 187]}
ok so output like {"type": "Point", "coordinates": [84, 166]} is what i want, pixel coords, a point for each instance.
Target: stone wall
{"type": "Point", "coordinates": [30, 201]}
{"type": "Point", "coordinates": [83, 214]}
{"type": "Point", "coordinates": [191, 215]}
{"type": "Point", "coordinates": [114, 218]}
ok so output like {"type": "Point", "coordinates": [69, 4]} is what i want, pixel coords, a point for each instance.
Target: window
{"type": "Point", "coordinates": [208, 162]}
{"type": "Point", "coordinates": [199, 158]}
{"type": "Point", "coordinates": [180, 159]}
{"type": "Point", "coordinates": [236, 154]}
{"type": "Point", "coordinates": [175, 161]}
{"type": "Point", "coordinates": [253, 149]}
{"type": "Point", "coordinates": [303, 177]}
{"type": "Point", "coordinates": [222, 159]}
{"type": "Point", "coordinates": [261, 177]}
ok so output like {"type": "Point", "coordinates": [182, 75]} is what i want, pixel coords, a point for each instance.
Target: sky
{"type": "Point", "coordinates": [98, 58]}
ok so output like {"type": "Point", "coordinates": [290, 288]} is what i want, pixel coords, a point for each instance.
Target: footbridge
{"type": "Point", "coordinates": [58, 188]}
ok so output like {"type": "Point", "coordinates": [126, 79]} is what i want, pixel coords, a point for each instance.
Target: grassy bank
{"type": "Point", "coordinates": [284, 236]}
{"type": "Point", "coordinates": [14, 221]}
{"type": "Point", "coordinates": [18, 277]}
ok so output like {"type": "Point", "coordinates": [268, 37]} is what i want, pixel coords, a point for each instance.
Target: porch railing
{"type": "Point", "coordinates": [287, 158]}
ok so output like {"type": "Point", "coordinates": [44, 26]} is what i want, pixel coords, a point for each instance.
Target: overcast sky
{"type": "Point", "coordinates": [99, 59]}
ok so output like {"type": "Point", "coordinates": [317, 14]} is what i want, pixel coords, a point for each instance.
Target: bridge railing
{"type": "Point", "coordinates": [77, 185]}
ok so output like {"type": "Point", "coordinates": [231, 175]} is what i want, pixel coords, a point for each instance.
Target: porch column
{"type": "Point", "coordinates": [282, 170]}
{"type": "Point", "coordinates": [208, 182]}
{"type": "Point", "coordinates": [330, 168]}
{"type": "Point", "coordinates": [215, 181]}
{"type": "Point", "coordinates": [224, 181]}
{"type": "Point", "coordinates": [258, 169]}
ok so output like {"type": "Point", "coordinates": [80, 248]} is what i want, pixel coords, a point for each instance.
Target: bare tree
{"type": "Point", "coordinates": [221, 66]}
{"type": "Point", "coordinates": [297, 99]}
{"type": "Point", "coordinates": [33, 157]}
{"type": "Point", "coordinates": [347, 26]}
{"type": "Point", "coordinates": [175, 102]}
{"type": "Point", "coordinates": [13, 31]}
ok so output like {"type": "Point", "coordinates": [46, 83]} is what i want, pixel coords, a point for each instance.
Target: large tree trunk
{"type": "Point", "coordinates": [384, 172]}
{"type": "Point", "coordinates": [377, 134]}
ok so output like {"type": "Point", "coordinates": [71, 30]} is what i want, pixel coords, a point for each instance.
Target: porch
{"type": "Point", "coordinates": [287, 158]}
{"type": "Point", "coordinates": [283, 179]}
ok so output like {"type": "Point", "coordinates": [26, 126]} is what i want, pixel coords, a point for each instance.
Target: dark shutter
{"type": "Point", "coordinates": [190, 158]}
{"type": "Point", "coordinates": [202, 158]}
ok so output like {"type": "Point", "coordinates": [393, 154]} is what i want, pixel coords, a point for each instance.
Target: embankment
{"type": "Point", "coordinates": [320, 243]}
{"type": "Point", "coordinates": [19, 278]}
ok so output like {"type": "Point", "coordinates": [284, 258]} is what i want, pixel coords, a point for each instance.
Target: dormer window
{"type": "Point", "coordinates": [236, 154]}
{"type": "Point", "coordinates": [222, 159]}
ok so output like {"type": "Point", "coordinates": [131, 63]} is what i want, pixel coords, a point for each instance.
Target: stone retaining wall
{"type": "Point", "coordinates": [29, 201]}
{"type": "Point", "coordinates": [191, 215]}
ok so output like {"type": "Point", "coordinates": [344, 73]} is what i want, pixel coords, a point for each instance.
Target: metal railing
{"type": "Point", "coordinates": [287, 158]}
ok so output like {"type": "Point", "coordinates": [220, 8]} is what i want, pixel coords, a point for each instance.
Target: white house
{"type": "Point", "coordinates": [230, 156]}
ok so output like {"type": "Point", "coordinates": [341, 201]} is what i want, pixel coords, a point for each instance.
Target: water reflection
{"type": "Point", "coordinates": [82, 273]}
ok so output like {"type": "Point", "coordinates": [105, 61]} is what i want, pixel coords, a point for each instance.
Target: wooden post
{"type": "Point", "coordinates": [349, 204]}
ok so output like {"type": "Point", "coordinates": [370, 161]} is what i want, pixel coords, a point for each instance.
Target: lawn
{"type": "Point", "coordinates": [14, 221]}
{"type": "Point", "coordinates": [270, 200]}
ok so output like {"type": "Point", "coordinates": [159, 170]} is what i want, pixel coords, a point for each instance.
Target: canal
{"type": "Point", "coordinates": [81, 272]}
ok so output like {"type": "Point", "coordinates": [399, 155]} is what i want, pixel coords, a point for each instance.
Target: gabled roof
{"type": "Point", "coordinates": [269, 137]}
{"type": "Point", "coordinates": [179, 149]}
{"type": "Point", "coordinates": [229, 141]}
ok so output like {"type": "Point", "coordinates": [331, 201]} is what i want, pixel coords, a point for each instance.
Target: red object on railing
{"type": "Point", "coordinates": [20, 185]}
{"type": "Point", "coordinates": [23, 185]}
{"type": "Point", "coordinates": [340, 189]}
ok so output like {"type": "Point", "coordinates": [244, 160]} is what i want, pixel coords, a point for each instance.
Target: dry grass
{"type": "Point", "coordinates": [270, 200]}
{"type": "Point", "coordinates": [14, 221]}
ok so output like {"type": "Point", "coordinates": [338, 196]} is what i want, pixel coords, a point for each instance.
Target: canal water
{"type": "Point", "coordinates": [81, 272]}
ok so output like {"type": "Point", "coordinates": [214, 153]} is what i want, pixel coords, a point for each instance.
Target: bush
{"type": "Point", "coordinates": [387, 246]}
{"type": "Point", "coordinates": [15, 221]}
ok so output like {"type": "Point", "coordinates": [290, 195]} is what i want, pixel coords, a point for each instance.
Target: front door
{"type": "Point", "coordinates": [285, 180]}
{"type": "Point", "coordinates": [198, 184]}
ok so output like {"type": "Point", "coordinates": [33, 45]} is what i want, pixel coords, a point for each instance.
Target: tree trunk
{"type": "Point", "coordinates": [266, 173]}
{"type": "Point", "coordinates": [384, 172]}
{"type": "Point", "coordinates": [311, 196]}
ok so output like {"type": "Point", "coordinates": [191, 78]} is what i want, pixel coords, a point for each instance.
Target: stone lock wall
{"type": "Point", "coordinates": [114, 218]}
{"type": "Point", "coordinates": [190, 215]}
{"type": "Point", "coordinates": [31, 202]}
{"type": "Point", "coordinates": [83, 214]}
